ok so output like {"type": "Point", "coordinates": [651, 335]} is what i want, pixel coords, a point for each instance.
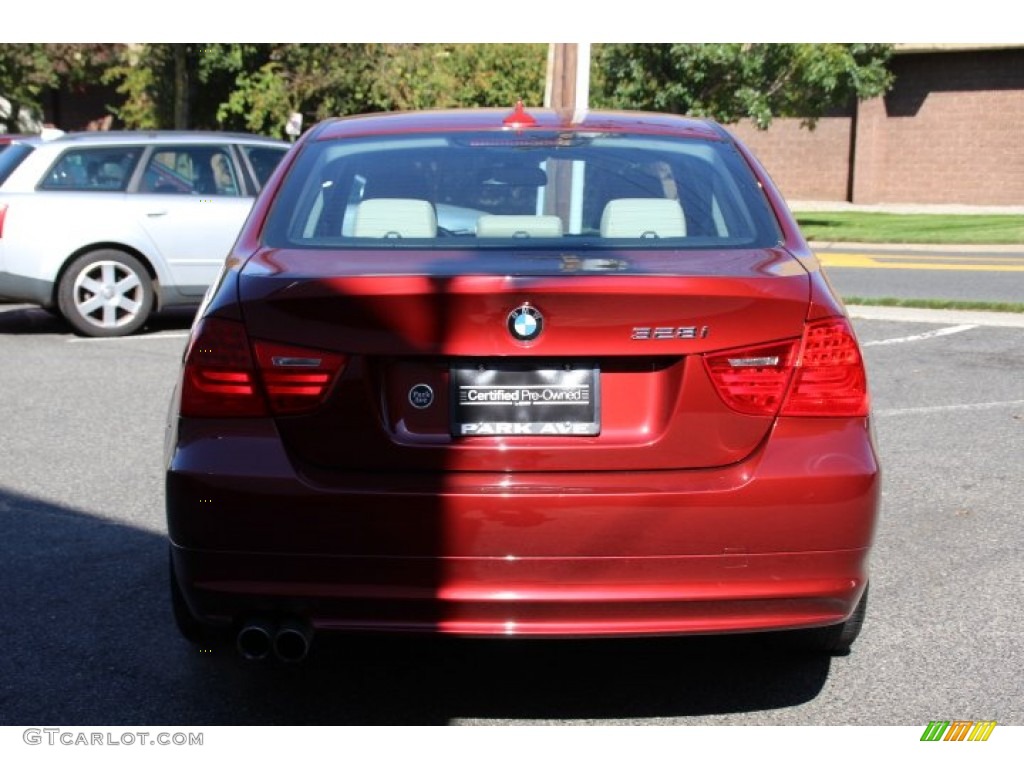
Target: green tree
{"type": "Point", "coordinates": [255, 87]}
{"type": "Point", "coordinates": [179, 85]}
{"type": "Point", "coordinates": [242, 86]}
{"type": "Point", "coordinates": [29, 70]}
{"type": "Point", "coordinates": [322, 80]}
{"type": "Point", "coordinates": [25, 72]}
{"type": "Point", "coordinates": [437, 76]}
{"type": "Point", "coordinates": [735, 81]}
{"type": "Point", "coordinates": [317, 80]}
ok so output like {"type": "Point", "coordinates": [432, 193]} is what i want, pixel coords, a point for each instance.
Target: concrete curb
{"type": "Point", "coordinates": [977, 250]}
{"type": "Point", "coordinates": [938, 316]}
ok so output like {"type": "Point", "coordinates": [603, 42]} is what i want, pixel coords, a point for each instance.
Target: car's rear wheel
{"type": "Point", "coordinates": [105, 293]}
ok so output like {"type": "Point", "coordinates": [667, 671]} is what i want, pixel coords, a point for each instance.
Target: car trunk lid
{"type": "Point", "coordinates": [438, 377]}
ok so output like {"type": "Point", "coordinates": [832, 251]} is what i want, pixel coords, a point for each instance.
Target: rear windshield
{"type": "Point", "coordinates": [11, 156]}
{"type": "Point", "coordinates": [525, 190]}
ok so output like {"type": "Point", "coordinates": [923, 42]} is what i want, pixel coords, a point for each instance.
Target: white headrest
{"type": "Point", "coordinates": [492, 225]}
{"type": "Point", "coordinates": [643, 217]}
{"type": "Point", "coordinates": [395, 217]}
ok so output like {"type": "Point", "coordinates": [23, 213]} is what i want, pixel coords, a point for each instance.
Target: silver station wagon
{"type": "Point", "coordinates": [106, 228]}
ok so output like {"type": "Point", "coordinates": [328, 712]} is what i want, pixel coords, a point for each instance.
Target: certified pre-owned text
{"type": "Point", "coordinates": [525, 395]}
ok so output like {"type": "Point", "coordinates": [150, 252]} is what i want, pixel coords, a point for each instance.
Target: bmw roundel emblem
{"type": "Point", "coordinates": [525, 323]}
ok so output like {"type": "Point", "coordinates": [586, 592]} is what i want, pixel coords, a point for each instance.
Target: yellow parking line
{"type": "Point", "coordinates": [874, 261]}
{"type": "Point", "coordinates": [963, 258]}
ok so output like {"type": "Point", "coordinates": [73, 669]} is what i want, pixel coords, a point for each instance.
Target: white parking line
{"type": "Point", "coordinates": [169, 335]}
{"type": "Point", "coordinates": [945, 408]}
{"type": "Point", "coordinates": [921, 336]}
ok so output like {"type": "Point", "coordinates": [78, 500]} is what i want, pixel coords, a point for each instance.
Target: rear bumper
{"type": "Point", "coordinates": [565, 598]}
{"type": "Point", "coordinates": [28, 289]}
{"type": "Point", "coordinates": [778, 541]}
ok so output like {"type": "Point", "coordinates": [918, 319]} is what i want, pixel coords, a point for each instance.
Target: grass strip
{"type": "Point", "coordinates": [919, 228]}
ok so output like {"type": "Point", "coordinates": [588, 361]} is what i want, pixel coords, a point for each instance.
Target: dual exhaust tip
{"type": "Point", "coordinates": [288, 640]}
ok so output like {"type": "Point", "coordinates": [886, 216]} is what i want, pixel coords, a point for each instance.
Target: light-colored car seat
{"type": "Point", "coordinates": [643, 217]}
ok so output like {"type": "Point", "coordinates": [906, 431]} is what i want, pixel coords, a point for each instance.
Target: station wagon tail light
{"type": "Point", "coordinates": [821, 374]}
{"type": "Point", "coordinates": [223, 378]}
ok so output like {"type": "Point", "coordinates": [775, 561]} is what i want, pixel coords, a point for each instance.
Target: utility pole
{"type": "Point", "coordinates": [567, 89]}
{"type": "Point", "coordinates": [568, 77]}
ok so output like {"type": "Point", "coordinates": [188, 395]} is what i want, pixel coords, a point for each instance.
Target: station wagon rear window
{"type": "Point", "coordinates": [105, 169]}
{"type": "Point", "coordinates": [536, 190]}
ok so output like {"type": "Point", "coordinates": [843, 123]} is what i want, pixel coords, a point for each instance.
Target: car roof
{"type": "Point", "coordinates": [20, 138]}
{"type": "Point", "coordinates": [149, 137]}
{"type": "Point", "coordinates": [519, 119]}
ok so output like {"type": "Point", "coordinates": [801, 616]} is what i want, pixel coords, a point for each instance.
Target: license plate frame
{"type": "Point", "coordinates": [534, 398]}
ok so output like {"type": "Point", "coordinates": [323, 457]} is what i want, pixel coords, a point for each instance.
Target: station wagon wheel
{"type": "Point", "coordinates": [105, 293]}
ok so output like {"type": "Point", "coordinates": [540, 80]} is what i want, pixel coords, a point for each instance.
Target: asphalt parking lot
{"type": "Point", "coordinates": [89, 638]}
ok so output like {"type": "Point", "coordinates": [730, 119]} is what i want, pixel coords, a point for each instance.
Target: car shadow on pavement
{"type": "Point", "coordinates": [89, 640]}
{"type": "Point", "coordinates": [408, 680]}
{"type": "Point", "coordinates": [26, 320]}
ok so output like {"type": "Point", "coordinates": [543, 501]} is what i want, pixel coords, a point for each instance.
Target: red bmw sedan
{"type": "Point", "coordinates": [525, 374]}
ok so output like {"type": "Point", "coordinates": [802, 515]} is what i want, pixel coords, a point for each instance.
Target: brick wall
{"type": "Point", "coordinates": [950, 131]}
{"type": "Point", "coordinates": [805, 164]}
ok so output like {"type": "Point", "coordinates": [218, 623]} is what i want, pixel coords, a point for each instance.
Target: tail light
{"type": "Point", "coordinates": [223, 378]}
{"type": "Point", "coordinates": [830, 379]}
{"type": "Point", "coordinates": [821, 374]}
{"type": "Point", "coordinates": [220, 377]}
{"type": "Point", "coordinates": [296, 379]}
{"type": "Point", "coordinates": [3, 215]}
{"type": "Point", "coordinates": [753, 380]}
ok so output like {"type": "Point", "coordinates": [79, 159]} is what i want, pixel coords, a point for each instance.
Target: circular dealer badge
{"type": "Point", "coordinates": [421, 396]}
